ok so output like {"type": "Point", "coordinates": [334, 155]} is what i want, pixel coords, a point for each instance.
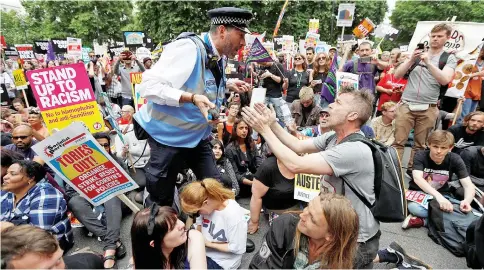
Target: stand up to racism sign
{"type": "Point", "coordinates": [64, 95]}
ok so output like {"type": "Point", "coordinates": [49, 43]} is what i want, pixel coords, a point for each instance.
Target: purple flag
{"type": "Point", "coordinates": [328, 91]}
{"type": "Point", "coordinates": [50, 52]}
{"type": "Point", "coordinates": [258, 53]}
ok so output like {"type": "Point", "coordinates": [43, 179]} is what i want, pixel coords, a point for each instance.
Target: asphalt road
{"type": "Point", "coordinates": [414, 241]}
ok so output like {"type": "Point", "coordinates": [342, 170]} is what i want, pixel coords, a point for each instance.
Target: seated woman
{"type": "Point", "coordinates": [323, 236]}
{"type": "Point", "coordinates": [224, 129]}
{"type": "Point", "coordinates": [227, 174]}
{"type": "Point", "coordinates": [242, 153]}
{"type": "Point", "coordinates": [221, 222]}
{"type": "Point", "coordinates": [273, 188]}
{"type": "Point", "coordinates": [160, 241]}
{"type": "Point", "coordinates": [26, 198]}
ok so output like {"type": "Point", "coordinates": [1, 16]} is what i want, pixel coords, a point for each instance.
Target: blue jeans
{"type": "Point", "coordinates": [324, 103]}
{"type": "Point", "coordinates": [165, 164]}
{"type": "Point", "coordinates": [468, 106]}
{"type": "Point", "coordinates": [278, 103]}
{"type": "Point", "coordinates": [211, 264]}
{"type": "Point", "coordinates": [417, 210]}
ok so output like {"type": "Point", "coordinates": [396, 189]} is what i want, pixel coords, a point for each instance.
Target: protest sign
{"type": "Point", "coordinates": [25, 51]}
{"type": "Point", "coordinates": [74, 47]}
{"type": "Point", "coordinates": [418, 197]}
{"type": "Point", "coordinates": [306, 186]}
{"type": "Point", "coordinates": [314, 26]}
{"type": "Point", "coordinates": [59, 45]}
{"type": "Point", "coordinates": [364, 28]}
{"type": "Point", "coordinates": [346, 13]}
{"type": "Point", "coordinates": [463, 38]}
{"type": "Point", "coordinates": [3, 43]}
{"type": "Point", "coordinates": [82, 163]}
{"type": "Point", "coordinates": [345, 78]}
{"type": "Point", "coordinates": [311, 40]}
{"type": "Point", "coordinates": [19, 79]}
{"type": "Point", "coordinates": [11, 53]}
{"type": "Point", "coordinates": [386, 31]}
{"type": "Point", "coordinates": [115, 51]}
{"type": "Point", "coordinates": [461, 78]}
{"type": "Point", "coordinates": [404, 48]}
{"type": "Point", "coordinates": [139, 101]}
{"type": "Point", "coordinates": [64, 95]}
{"type": "Point", "coordinates": [41, 46]}
{"type": "Point", "coordinates": [321, 46]}
{"type": "Point", "coordinates": [142, 53]}
{"type": "Point", "coordinates": [85, 54]}
{"type": "Point", "coordinates": [134, 38]}
{"type": "Point", "coordinates": [278, 41]}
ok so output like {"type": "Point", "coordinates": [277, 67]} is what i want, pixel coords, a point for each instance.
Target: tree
{"type": "Point", "coordinates": [13, 28]}
{"type": "Point", "coordinates": [88, 20]}
{"type": "Point", "coordinates": [408, 13]}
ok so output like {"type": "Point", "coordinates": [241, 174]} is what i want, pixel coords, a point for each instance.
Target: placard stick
{"type": "Point", "coordinates": [25, 97]}
{"type": "Point", "coordinates": [129, 203]}
{"type": "Point", "coordinates": [458, 111]}
{"type": "Point", "coordinates": [130, 158]}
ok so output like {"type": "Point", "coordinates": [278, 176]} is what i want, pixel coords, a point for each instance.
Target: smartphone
{"type": "Point", "coordinates": [365, 59]}
{"type": "Point", "coordinates": [420, 46]}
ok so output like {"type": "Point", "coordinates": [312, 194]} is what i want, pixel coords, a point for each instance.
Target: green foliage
{"type": "Point", "coordinates": [13, 27]}
{"type": "Point", "coordinates": [88, 20]}
{"type": "Point", "coordinates": [408, 13]}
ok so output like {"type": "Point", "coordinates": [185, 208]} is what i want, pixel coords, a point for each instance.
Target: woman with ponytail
{"type": "Point", "coordinates": [221, 221]}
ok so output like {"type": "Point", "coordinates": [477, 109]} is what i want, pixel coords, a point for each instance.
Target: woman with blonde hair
{"type": "Point", "coordinates": [221, 221]}
{"type": "Point", "coordinates": [317, 76]}
{"type": "Point", "coordinates": [323, 236]}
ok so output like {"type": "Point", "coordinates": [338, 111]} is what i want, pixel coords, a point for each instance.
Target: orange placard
{"type": "Point", "coordinates": [364, 28]}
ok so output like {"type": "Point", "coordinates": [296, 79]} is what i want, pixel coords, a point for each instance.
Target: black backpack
{"type": "Point", "coordinates": [442, 62]}
{"type": "Point", "coordinates": [390, 204]}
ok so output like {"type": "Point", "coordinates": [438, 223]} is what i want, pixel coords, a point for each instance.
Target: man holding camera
{"type": "Point", "coordinates": [418, 107]}
{"type": "Point", "coordinates": [127, 58]}
{"type": "Point", "coordinates": [184, 90]}
{"type": "Point", "coordinates": [365, 66]}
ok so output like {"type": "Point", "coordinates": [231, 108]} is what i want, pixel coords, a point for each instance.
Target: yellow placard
{"type": "Point", "coordinates": [88, 113]}
{"type": "Point", "coordinates": [19, 78]}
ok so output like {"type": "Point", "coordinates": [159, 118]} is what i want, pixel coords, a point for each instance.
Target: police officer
{"type": "Point", "coordinates": [187, 81]}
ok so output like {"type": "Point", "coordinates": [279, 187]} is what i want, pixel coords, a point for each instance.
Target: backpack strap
{"type": "Point", "coordinates": [377, 163]}
{"type": "Point", "coordinates": [443, 59]}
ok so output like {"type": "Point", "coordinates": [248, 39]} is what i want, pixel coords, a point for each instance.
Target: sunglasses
{"type": "Point", "coordinates": [322, 58]}
{"type": "Point", "coordinates": [20, 137]}
{"type": "Point", "coordinates": [297, 59]}
{"type": "Point", "coordinates": [105, 145]}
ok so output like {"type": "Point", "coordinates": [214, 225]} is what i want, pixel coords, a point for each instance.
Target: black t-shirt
{"type": "Point", "coordinates": [274, 89]}
{"type": "Point", "coordinates": [438, 175]}
{"type": "Point", "coordinates": [319, 76]}
{"type": "Point", "coordinates": [296, 81]}
{"type": "Point", "coordinates": [463, 139]}
{"type": "Point", "coordinates": [281, 190]}
{"type": "Point", "coordinates": [474, 160]}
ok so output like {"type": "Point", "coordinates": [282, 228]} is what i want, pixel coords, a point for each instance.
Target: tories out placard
{"type": "Point", "coordinates": [77, 157]}
{"type": "Point", "coordinates": [64, 95]}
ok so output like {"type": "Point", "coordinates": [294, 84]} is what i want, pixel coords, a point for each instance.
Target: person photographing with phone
{"type": "Point", "coordinates": [426, 71]}
{"type": "Point", "coordinates": [366, 66]}
{"type": "Point", "coordinates": [127, 58]}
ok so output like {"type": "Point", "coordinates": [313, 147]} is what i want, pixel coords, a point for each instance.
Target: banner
{"type": "Point", "coordinates": [41, 46]}
{"type": "Point", "coordinates": [364, 28]}
{"type": "Point", "coordinates": [306, 186]}
{"type": "Point", "coordinates": [258, 53]}
{"type": "Point", "coordinates": [461, 78]}
{"type": "Point", "coordinates": [346, 13]}
{"type": "Point", "coordinates": [134, 38]}
{"type": "Point", "coordinates": [59, 46]}
{"type": "Point", "coordinates": [82, 163]}
{"type": "Point", "coordinates": [464, 38]}
{"type": "Point", "coordinates": [279, 19]}
{"type": "Point", "coordinates": [419, 197]}
{"type": "Point", "coordinates": [346, 79]}
{"type": "Point", "coordinates": [74, 47]}
{"type": "Point", "coordinates": [139, 101]}
{"type": "Point", "coordinates": [25, 51]}
{"type": "Point", "coordinates": [11, 53]}
{"type": "Point", "coordinates": [64, 95]}
{"type": "Point", "coordinates": [19, 79]}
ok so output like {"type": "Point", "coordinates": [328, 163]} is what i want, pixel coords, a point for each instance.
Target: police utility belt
{"type": "Point", "coordinates": [417, 107]}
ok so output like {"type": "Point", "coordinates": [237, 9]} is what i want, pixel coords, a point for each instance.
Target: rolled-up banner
{"type": "Point", "coordinates": [279, 20]}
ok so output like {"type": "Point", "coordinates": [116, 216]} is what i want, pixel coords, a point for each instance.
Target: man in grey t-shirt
{"type": "Point", "coordinates": [353, 160]}
{"type": "Point", "coordinates": [418, 107]}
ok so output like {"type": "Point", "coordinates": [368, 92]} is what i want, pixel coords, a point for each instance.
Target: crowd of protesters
{"type": "Point", "coordinates": [256, 154]}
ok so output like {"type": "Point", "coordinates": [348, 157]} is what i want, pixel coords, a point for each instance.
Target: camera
{"type": "Point", "coordinates": [213, 114]}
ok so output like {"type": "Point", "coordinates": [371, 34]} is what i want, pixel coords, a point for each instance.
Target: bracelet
{"type": "Point", "coordinates": [193, 99]}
